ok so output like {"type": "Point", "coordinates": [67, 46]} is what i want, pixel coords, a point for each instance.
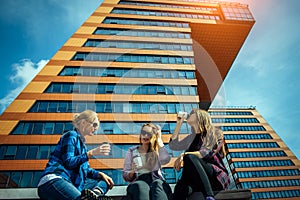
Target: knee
{"type": "Point", "coordinates": [189, 158]}
{"type": "Point", "coordinates": [139, 186]}
{"type": "Point", "coordinates": [157, 184]}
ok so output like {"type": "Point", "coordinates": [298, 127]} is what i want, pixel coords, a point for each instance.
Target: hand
{"type": "Point", "coordinates": [134, 167]}
{"type": "Point", "coordinates": [180, 119]}
{"type": "Point", "coordinates": [159, 140]}
{"type": "Point", "coordinates": [132, 172]}
{"type": "Point", "coordinates": [103, 150]}
{"type": "Point", "coordinates": [158, 132]}
{"type": "Point", "coordinates": [178, 162]}
{"type": "Point", "coordinates": [107, 179]}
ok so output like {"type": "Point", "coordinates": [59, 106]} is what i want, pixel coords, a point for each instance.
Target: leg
{"type": "Point", "coordinates": [215, 184]}
{"type": "Point", "coordinates": [95, 190]}
{"type": "Point", "coordinates": [58, 189]}
{"type": "Point", "coordinates": [157, 190]}
{"type": "Point", "coordinates": [99, 184]}
{"type": "Point", "coordinates": [168, 190]}
{"type": "Point", "coordinates": [139, 190]}
{"type": "Point", "coordinates": [182, 190]}
{"type": "Point", "coordinates": [195, 175]}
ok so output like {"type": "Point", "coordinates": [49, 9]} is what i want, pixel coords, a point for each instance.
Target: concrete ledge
{"type": "Point", "coordinates": [117, 193]}
{"type": "Point", "coordinates": [19, 193]}
{"type": "Point", "coordinates": [31, 193]}
{"type": "Point", "coordinates": [241, 194]}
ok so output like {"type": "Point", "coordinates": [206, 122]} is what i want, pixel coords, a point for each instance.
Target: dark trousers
{"type": "Point", "coordinates": [197, 175]}
{"type": "Point", "coordinates": [145, 189]}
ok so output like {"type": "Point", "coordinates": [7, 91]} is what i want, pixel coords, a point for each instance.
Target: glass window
{"type": "Point", "coordinates": [21, 152]}
{"type": "Point", "coordinates": [146, 107]}
{"type": "Point", "coordinates": [152, 89]}
{"type": "Point", "coordinates": [10, 153]}
{"type": "Point", "coordinates": [109, 89]}
{"type": "Point", "coordinates": [100, 107]}
{"type": "Point", "coordinates": [19, 129]}
{"type": "Point", "coordinates": [62, 107]}
{"type": "Point", "coordinates": [56, 88]}
{"type": "Point", "coordinates": [38, 128]}
{"type": "Point", "coordinates": [161, 90]}
{"type": "Point", "coordinates": [32, 152]}
{"type": "Point", "coordinates": [169, 175]}
{"type": "Point", "coordinates": [36, 179]}
{"type": "Point", "coordinates": [193, 91]}
{"type": "Point", "coordinates": [28, 128]}
{"type": "Point", "coordinates": [68, 127]}
{"type": "Point", "coordinates": [118, 107]}
{"type": "Point", "coordinates": [43, 106]}
{"type": "Point", "coordinates": [2, 151]}
{"type": "Point", "coordinates": [4, 179]}
{"type": "Point", "coordinates": [43, 152]}
{"type": "Point", "coordinates": [48, 129]}
{"type": "Point", "coordinates": [14, 180]}
{"type": "Point", "coordinates": [172, 60]}
{"type": "Point", "coordinates": [185, 90]}
{"type": "Point", "coordinates": [108, 108]}
{"type": "Point", "coordinates": [58, 128]}
{"type": "Point", "coordinates": [66, 88]}
{"type": "Point", "coordinates": [136, 108]}
{"type": "Point", "coordinates": [26, 179]}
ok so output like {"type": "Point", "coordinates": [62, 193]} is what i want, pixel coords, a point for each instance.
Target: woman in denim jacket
{"type": "Point", "coordinates": [68, 175]}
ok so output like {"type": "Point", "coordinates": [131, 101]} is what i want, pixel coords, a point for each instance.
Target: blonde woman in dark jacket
{"type": "Point", "coordinates": [203, 168]}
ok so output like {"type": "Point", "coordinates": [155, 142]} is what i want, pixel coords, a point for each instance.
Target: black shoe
{"type": "Point", "coordinates": [104, 198]}
{"type": "Point", "coordinates": [88, 194]}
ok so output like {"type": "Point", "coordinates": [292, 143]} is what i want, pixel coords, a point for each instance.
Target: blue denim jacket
{"type": "Point", "coordinates": [69, 160]}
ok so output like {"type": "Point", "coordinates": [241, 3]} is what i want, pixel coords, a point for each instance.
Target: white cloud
{"type": "Point", "coordinates": [23, 73]}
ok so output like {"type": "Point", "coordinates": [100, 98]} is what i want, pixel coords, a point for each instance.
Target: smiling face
{"type": "Point", "coordinates": [146, 135]}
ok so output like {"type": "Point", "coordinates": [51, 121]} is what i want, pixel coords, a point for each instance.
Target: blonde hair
{"type": "Point", "coordinates": [209, 134]}
{"type": "Point", "coordinates": [87, 115]}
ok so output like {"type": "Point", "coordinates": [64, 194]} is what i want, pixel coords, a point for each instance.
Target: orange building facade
{"type": "Point", "coordinates": [143, 61]}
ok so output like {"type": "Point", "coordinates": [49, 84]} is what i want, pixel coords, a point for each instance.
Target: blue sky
{"type": "Point", "coordinates": [265, 73]}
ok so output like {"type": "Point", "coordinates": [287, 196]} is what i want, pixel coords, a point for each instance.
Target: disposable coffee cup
{"type": "Point", "coordinates": [181, 113]}
{"type": "Point", "coordinates": [138, 161]}
{"type": "Point", "coordinates": [107, 144]}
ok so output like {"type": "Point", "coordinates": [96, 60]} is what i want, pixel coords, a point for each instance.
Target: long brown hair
{"type": "Point", "coordinates": [153, 147]}
{"type": "Point", "coordinates": [152, 153]}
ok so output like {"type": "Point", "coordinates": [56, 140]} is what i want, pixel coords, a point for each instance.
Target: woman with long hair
{"type": "Point", "coordinates": [203, 168]}
{"type": "Point", "coordinates": [68, 175]}
{"type": "Point", "coordinates": [142, 166]}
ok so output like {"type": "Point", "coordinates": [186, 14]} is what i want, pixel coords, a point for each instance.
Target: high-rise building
{"type": "Point", "coordinates": [140, 61]}
{"type": "Point", "coordinates": [257, 157]}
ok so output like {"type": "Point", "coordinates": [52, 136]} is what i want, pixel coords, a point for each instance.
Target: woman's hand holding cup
{"type": "Point", "coordinates": [103, 150]}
